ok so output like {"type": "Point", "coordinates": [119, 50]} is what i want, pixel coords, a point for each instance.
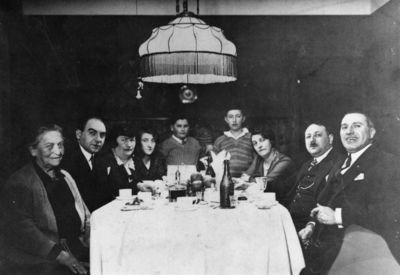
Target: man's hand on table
{"type": "Point", "coordinates": [144, 187]}
{"type": "Point", "coordinates": [306, 233]}
{"type": "Point", "coordinates": [71, 262]}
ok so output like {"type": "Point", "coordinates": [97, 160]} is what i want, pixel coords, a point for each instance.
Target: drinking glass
{"type": "Point", "coordinates": [262, 183]}
{"type": "Point", "coordinates": [197, 185]}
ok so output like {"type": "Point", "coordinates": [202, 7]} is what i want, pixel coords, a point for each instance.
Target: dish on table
{"type": "Point", "coordinates": [125, 198]}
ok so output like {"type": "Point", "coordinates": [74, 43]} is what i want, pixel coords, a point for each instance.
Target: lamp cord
{"type": "Point", "coordinates": [177, 6]}
{"type": "Point", "coordinates": [198, 7]}
{"type": "Point", "coordinates": [185, 6]}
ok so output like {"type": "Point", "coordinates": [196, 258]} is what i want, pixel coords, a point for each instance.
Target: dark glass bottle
{"type": "Point", "coordinates": [231, 184]}
{"type": "Point", "coordinates": [225, 187]}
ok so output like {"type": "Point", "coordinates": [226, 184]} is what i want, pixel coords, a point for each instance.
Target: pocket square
{"type": "Point", "coordinates": [359, 176]}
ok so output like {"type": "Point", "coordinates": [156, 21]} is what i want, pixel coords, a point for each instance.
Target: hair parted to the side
{"type": "Point", "coordinates": [121, 129]}
{"type": "Point", "coordinates": [178, 116]}
{"type": "Point", "coordinates": [266, 132]}
{"type": "Point", "coordinates": [82, 121]}
{"type": "Point", "coordinates": [40, 131]}
{"type": "Point", "coordinates": [138, 149]}
{"type": "Point", "coordinates": [370, 123]}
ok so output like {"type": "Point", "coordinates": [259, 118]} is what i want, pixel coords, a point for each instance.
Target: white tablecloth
{"type": "Point", "coordinates": [166, 240]}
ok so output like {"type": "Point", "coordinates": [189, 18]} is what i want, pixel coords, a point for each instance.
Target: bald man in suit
{"type": "Point", "coordinates": [311, 178]}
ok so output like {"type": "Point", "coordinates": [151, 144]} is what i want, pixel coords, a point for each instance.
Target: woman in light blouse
{"type": "Point", "coordinates": [116, 169]}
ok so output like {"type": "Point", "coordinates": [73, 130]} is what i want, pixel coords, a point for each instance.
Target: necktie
{"type": "Point", "coordinates": [347, 162]}
{"type": "Point", "coordinates": [91, 162]}
{"type": "Point", "coordinates": [312, 164]}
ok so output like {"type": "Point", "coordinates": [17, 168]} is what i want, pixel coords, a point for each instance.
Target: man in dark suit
{"type": "Point", "coordinates": [363, 190]}
{"type": "Point", "coordinates": [311, 177]}
{"type": "Point", "coordinates": [78, 160]}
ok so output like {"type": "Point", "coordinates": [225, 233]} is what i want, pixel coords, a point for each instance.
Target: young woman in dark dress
{"type": "Point", "coordinates": [148, 162]}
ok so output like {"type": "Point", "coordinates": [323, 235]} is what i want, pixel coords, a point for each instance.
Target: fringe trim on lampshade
{"type": "Point", "coordinates": [188, 67]}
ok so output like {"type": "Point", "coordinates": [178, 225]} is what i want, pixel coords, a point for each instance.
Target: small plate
{"type": "Point", "coordinates": [125, 198]}
{"type": "Point", "coordinates": [184, 209]}
{"type": "Point", "coordinates": [266, 206]}
{"type": "Point", "coordinates": [136, 207]}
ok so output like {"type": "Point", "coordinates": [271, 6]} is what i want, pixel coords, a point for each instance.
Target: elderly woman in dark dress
{"type": "Point", "coordinates": [278, 168]}
{"type": "Point", "coordinates": [46, 221]}
{"type": "Point", "coordinates": [148, 162]}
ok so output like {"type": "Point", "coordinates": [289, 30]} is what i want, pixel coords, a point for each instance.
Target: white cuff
{"type": "Point", "coordinates": [311, 223]}
{"type": "Point", "coordinates": [338, 217]}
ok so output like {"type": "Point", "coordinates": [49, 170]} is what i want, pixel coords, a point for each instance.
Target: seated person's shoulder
{"type": "Point", "coordinates": [104, 159]}
{"type": "Point", "coordinates": [20, 181]}
{"type": "Point", "coordinates": [283, 157]}
{"type": "Point", "coordinates": [166, 142]}
{"type": "Point", "coordinates": [219, 139]}
{"type": "Point", "coordinates": [23, 173]}
{"type": "Point", "coordinates": [248, 135]}
{"type": "Point", "coordinates": [286, 162]}
{"type": "Point", "coordinates": [194, 140]}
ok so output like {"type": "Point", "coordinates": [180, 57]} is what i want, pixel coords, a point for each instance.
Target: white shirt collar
{"type": "Point", "coordinates": [356, 155]}
{"type": "Point", "coordinates": [179, 140]}
{"type": "Point", "coordinates": [267, 163]}
{"type": "Point", "coordinates": [127, 165]}
{"type": "Point", "coordinates": [229, 134]}
{"type": "Point", "coordinates": [321, 157]}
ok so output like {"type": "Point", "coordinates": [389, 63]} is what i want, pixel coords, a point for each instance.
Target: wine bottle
{"type": "Point", "coordinates": [231, 184]}
{"type": "Point", "coordinates": [224, 187]}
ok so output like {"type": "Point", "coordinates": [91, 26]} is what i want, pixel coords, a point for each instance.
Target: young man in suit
{"type": "Point", "coordinates": [78, 161]}
{"type": "Point", "coordinates": [363, 190]}
{"type": "Point", "coordinates": [311, 178]}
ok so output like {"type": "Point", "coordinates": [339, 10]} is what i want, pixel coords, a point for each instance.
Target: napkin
{"type": "Point", "coordinates": [218, 165]}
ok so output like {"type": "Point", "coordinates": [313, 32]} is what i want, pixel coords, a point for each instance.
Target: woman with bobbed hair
{"type": "Point", "coordinates": [46, 222]}
{"type": "Point", "coordinates": [278, 168]}
{"type": "Point", "coordinates": [149, 163]}
{"type": "Point", "coordinates": [115, 169]}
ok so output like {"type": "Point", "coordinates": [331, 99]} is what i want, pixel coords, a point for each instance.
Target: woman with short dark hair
{"type": "Point", "coordinates": [46, 221]}
{"type": "Point", "coordinates": [278, 168]}
{"type": "Point", "coordinates": [116, 169]}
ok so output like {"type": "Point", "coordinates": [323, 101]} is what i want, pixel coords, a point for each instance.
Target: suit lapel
{"type": "Point", "coordinates": [83, 161]}
{"type": "Point", "coordinates": [360, 165]}
{"type": "Point", "coordinates": [333, 185]}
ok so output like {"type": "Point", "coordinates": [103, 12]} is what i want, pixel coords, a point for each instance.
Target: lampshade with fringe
{"type": "Point", "coordinates": [187, 50]}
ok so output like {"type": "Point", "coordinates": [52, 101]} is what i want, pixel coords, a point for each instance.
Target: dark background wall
{"type": "Point", "coordinates": [292, 69]}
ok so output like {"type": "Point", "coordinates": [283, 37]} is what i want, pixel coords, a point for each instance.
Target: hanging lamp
{"type": "Point", "coordinates": [188, 51]}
